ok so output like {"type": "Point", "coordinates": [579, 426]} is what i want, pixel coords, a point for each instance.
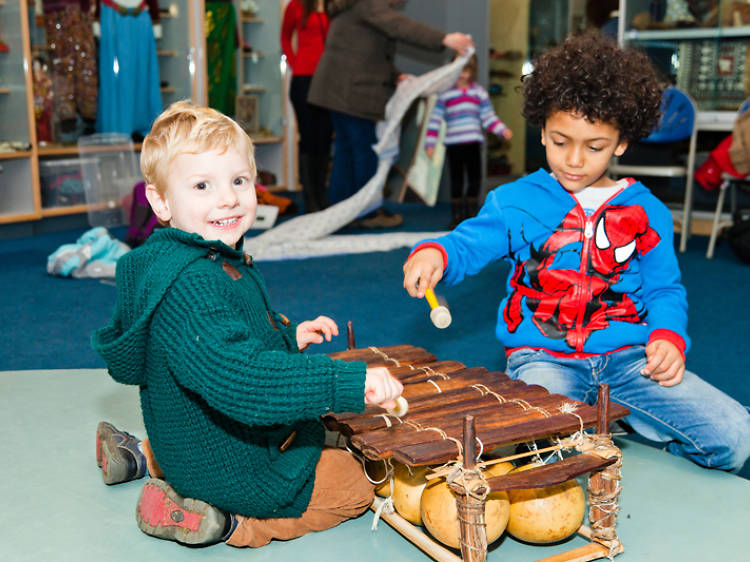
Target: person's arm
{"type": "Point", "coordinates": [489, 118]}
{"type": "Point", "coordinates": [289, 24]}
{"type": "Point", "coordinates": [226, 362]}
{"type": "Point", "coordinates": [666, 302]}
{"type": "Point", "coordinates": [465, 251]}
{"type": "Point", "coordinates": [399, 26]}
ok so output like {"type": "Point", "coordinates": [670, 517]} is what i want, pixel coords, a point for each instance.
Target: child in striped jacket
{"type": "Point", "coordinates": [466, 110]}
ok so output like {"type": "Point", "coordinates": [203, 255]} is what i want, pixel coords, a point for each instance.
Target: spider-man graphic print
{"type": "Point", "coordinates": [572, 304]}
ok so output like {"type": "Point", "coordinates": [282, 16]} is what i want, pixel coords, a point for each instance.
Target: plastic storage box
{"type": "Point", "coordinates": [109, 170]}
{"type": "Point", "coordinates": [61, 182]}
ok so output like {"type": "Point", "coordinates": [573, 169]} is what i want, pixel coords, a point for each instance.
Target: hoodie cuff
{"type": "Point", "coordinates": [435, 245]}
{"type": "Point", "coordinates": [349, 386]}
{"type": "Point", "coordinates": [670, 336]}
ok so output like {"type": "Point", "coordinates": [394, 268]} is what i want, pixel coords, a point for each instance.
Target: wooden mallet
{"type": "Point", "coordinates": [440, 315]}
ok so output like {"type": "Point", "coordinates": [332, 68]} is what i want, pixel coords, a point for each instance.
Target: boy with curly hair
{"type": "Point", "coordinates": [231, 406]}
{"type": "Point", "coordinates": [594, 293]}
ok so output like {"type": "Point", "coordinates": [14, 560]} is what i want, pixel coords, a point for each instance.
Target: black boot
{"type": "Point", "coordinates": [306, 179]}
{"type": "Point", "coordinates": [457, 213]}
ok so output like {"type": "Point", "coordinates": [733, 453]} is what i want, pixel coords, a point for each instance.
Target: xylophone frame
{"type": "Point", "coordinates": [601, 463]}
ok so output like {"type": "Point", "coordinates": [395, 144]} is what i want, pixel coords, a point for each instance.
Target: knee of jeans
{"type": "Point", "coordinates": [739, 454]}
{"type": "Point", "coordinates": [731, 449]}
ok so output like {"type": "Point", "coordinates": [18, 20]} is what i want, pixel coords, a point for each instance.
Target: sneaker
{"type": "Point", "coordinates": [382, 218]}
{"type": "Point", "coordinates": [118, 455]}
{"type": "Point", "coordinates": [164, 514]}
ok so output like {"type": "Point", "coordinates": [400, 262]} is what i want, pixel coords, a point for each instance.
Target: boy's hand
{"type": "Point", "coordinates": [381, 388]}
{"type": "Point", "coordinates": [422, 271]}
{"type": "Point", "coordinates": [313, 331]}
{"type": "Point", "coordinates": [507, 134]}
{"type": "Point", "coordinates": [664, 363]}
{"type": "Point", "coordinates": [430, 151]}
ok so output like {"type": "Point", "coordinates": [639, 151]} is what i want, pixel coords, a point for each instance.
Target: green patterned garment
{"type": "Point", "coordinates": [222, 382]}
{"type": "Point", "coordinates": [221, 48]}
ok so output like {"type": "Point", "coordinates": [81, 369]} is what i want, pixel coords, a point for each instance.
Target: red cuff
{"type": "Point", "coordinates": [671, 337]}
{"type": "Point", "coordinates": [437, 247]}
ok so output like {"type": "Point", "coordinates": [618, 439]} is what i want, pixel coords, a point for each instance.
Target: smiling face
{"type": "Point", "coordinates": [211, 193]}
{"type": "Point", "coordinates": [578, 151]}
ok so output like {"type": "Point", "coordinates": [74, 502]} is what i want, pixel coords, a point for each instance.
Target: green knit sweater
{"type": "Point", "coordinates": [222, 382]}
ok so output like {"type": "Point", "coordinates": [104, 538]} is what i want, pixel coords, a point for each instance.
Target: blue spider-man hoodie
{"type": "Point", "coordinates": [578, 284]}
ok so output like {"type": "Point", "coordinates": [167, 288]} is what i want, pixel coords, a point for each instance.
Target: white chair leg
{"type": "Point", "coordinates": [717, 219]}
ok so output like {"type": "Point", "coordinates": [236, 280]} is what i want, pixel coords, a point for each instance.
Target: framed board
{"type": "Point", "coordinates": [423, 174]}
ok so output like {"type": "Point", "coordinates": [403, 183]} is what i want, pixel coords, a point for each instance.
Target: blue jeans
{"type": "Point", "coordinates": [695, 419]}
{"type": "Point", "coordinates": [354, 160]}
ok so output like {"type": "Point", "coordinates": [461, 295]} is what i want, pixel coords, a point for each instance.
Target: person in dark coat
{"type": "Point", "coordinates": [354, 79]}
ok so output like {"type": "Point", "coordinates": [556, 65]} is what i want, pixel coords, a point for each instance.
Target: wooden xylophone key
{"type": "Point", "coordinates": [475, 375]}
{"type": "Point", "coordinates": [384, 442]}
{"type": "Point", "coordinates": [426, 371]}
{"type": "Point", "coordinates": [363, 353]}
{"type": "Point", "coordinates": [560, 424]}
{"type": "Point", "coordinates": [453, 402]}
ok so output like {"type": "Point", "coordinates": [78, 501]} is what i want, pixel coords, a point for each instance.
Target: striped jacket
{"type": "Point", "coordinates": [465, 112]}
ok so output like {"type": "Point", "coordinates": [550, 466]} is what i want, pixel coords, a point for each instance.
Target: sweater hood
{"type": "Point", "coordinates": [143, 277]}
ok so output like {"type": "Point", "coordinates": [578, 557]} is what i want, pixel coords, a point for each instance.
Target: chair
{"type": "Point", "coordinates": [677, 123]}
{"type": "Point", "coordinates": [728, 183]}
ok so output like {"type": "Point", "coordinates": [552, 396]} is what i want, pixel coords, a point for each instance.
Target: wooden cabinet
{"type": "Point", "coordinates": [260, 80]}
{"type": "Point", "coordinates": [27, 169]}
{"type": "Point", "coordinates": [19, 178]}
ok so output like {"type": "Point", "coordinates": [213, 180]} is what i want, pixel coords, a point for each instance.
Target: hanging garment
{"type": "Point", "coordinates": [73, 61]}
{"type": "Point", "coordinates": [221, 45]}
{"type": "Point", "coordinates": [129, 96]}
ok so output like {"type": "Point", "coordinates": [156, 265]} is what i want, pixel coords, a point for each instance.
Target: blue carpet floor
{"type": "Point", "coordinates": [49, 319]}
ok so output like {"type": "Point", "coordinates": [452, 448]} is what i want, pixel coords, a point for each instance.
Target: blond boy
{"type": "Point", "coordinates": [230, 404]}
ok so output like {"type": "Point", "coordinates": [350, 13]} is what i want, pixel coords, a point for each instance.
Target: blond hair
{"type": "Point", "coordinates": [184, 128]}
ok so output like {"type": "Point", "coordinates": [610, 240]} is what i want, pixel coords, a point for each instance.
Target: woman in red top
{"type": "Point", "coordinates": [308, 21]}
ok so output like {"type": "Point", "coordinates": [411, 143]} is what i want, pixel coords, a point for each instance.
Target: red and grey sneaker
{"type": "Point", "coordinates": [118, 455]}
{"type": "Point", "coordinates": [164, 514]}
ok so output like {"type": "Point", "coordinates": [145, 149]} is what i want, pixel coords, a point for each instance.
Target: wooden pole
{"type": "Point", "coordinates": [414, 535]}
{"type": "Point", "coordinates": [604, 485]}
{"type": "Point", "coordinates": [350, 335]}
{"type": "Point", "coordinates": [470, 493]}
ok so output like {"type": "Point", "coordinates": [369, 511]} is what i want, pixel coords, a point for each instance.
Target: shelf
{"type": "Point", "coordinates": [266, 140]}
{"type": "Point", "coordinates": [250, 88]}
{"type": "Point", "coordinates": [687, 33]}
{"type": "Point", "coordinates": [63, 149]}
{"type": "Point", "coordinates": [11, 155]}
{"type": "Point", "coordinates": [168, 90]}
{"type": "Point", "coordinates": [18, 217]}
{"type": "Point", "coordinates": [253, 54]}
{"type": "Point", "coordinates": [715, 120]}
{"type": "Point", "coordinates": [166, 53]}
{"type": "Point", "coordinates": [66, 210]}
{"type": "Point", "coordinates": [251, 19]}
{"type": "Point", "coordinates": [4, 90]}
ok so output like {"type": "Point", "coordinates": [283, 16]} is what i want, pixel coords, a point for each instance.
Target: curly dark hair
{"type": "Point", "coordinates": [589, 74]}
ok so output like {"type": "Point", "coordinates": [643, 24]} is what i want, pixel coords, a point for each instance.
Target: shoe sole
{"type": "Point", "coordinates": [116, 465]}
{"type": "Point", "coordinates": [103, 431]}
{"type": "Point", "coordinates": [164, 514]}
